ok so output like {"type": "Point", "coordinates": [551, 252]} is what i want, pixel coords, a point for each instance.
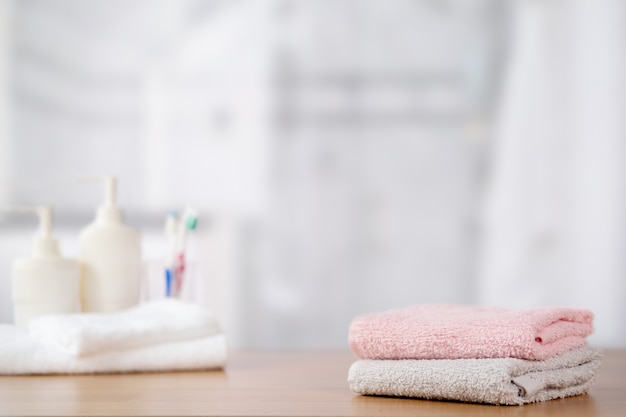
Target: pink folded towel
{"type": "Point", "coordinates": [456, 332]}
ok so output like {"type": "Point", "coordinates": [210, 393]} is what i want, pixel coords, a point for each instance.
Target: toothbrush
{"type": "Point", "coordinates": [188, 224]}
{"type": "Point", "coordinates": [171, 224]}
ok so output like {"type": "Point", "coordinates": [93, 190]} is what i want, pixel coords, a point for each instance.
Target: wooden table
{"type": "Point", "coordinates": [272, 384]}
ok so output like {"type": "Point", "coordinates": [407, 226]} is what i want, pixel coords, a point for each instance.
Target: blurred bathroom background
{"type": "Point", "coordinates": [345, 156]}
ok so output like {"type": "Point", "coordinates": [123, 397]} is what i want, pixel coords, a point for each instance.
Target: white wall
{"type": "Point", "coordinates": [6, 143]}
{"type": "Point", "coordinates": [337, 150]}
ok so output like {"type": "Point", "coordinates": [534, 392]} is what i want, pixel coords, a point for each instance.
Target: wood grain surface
{"type": "Point", "coordinates": [308, 383]}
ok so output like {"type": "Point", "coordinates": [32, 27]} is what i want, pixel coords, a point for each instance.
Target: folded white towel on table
{"type": "Point", "coordinates": [148, 324]}
{"type": "Point", "coordinates": [505, 381]}
{"type": "Point", "coordinates": [20, 353]}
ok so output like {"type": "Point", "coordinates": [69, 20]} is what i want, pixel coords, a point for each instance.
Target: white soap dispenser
{"type": "Point", "coordinates": [45, 283]}
{"type": "Point", "coordinates": [110, 254]}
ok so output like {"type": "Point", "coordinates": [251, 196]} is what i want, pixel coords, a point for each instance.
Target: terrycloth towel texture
{"type": "Point", "coordinates": [504, 381]}
{"type": "Point", "coordinates": [454, 332]}
{"type": "Point", "coordinates": [148, 324]}
{"type": "Point", "coordinates": [20, 353]}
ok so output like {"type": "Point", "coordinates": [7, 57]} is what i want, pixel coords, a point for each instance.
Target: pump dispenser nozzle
{"type": "Point", "coordinates": [44, 244]}
{"type": "Point", "coordinates": [109, 210]}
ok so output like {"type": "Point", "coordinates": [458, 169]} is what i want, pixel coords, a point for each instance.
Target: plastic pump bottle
{"type": "Point", "coordinates": [110, 254]}
{"type": "Point", "coordinates": [45, 283]}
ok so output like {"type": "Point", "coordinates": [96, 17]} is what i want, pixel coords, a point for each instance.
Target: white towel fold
{"type": "Point", "coordinates": [505, 381]}
{"type": "Point", "coordinates": [152, 323]}
{"type": "Point", "coordinates": [20, 353]}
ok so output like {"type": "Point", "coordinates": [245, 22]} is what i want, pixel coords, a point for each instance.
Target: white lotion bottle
{"type": "Point", "coordinates": [45, 283]}
{"type": "Point", "coordinates": [110, 256]}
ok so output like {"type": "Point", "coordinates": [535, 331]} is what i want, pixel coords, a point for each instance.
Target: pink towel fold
{"type": "Point", "coordinates": [464, 332]}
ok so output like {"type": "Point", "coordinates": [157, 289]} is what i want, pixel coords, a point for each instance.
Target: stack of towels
{"type": "Point", "coordinates": [474, 354]}
{"type": "Point", "coordinates": [163, 335]}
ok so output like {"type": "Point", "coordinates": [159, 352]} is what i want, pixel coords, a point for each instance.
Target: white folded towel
{"type": "Point", "coordinates": [148, 324]}
{"type": "Point", "coordinates": [505, 381]}
{"type": "Point", "coordinates": [20, 353]}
